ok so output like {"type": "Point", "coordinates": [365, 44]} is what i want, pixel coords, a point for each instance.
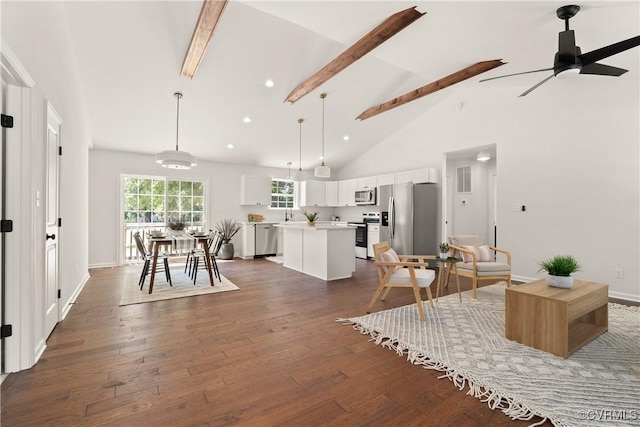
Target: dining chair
{"type": "Point", "coordinates": [397, 271]}
{"type": "Point", "coordinates": [478, 260]}
{"type": "Point", "coordinates": [197, 254]}
{"type": "Point", "coordinates": [147, 257]}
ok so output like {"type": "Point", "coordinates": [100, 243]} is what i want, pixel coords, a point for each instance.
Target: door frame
{"type": "Point", "coordinates": [21, 350]}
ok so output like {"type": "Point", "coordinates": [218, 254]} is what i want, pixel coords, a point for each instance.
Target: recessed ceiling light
{"type": "Point", "coordinates": [247, 120]}
{"type": "Point", "coordinates": [346, 137]}
{"type": "Point", "coordinates": [229, 146]}
{"type": "Point", "coordinates": [269, 83]}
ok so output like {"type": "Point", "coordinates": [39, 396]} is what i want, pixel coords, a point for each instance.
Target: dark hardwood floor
{"type": "Point", "coordinates": [268, 354]}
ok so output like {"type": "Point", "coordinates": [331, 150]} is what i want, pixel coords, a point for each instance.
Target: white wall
{"type": "Point", "coordinates": [39, 38]}
{"type": "Point", "coordinates": [568, 151]}
{"type": "Point", "coordinates": [106, 167]}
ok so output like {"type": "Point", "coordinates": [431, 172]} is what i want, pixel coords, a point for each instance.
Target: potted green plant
{"type": "Point", "coordinates": [311, 217]}
{"type": "Point", "coordinates": [227, 228]}
{"type": "Point", "coordinates": [444, 250]}
{"type": "Point", "coordinates": [559, 269]}
{"type": "Point", "coordinates": [176, 227]}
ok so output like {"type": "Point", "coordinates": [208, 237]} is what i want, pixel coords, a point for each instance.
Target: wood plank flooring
{"type": "Point", "coordinates": [269, 354]}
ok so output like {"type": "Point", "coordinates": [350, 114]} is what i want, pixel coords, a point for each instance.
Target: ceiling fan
{"type": "Point", "coordinates": [570, 60]}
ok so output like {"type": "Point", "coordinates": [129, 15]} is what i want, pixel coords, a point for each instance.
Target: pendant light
{"type": "Point", "coordinates": [176, 159]}
{"type": "Point", "coordinates": [289, 174]}
{"type": "Point", "coordinates": [322, 171]}
{"type": "Point", "coordinates": [300, 175]}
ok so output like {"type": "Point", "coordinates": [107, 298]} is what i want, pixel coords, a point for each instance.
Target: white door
{"type": "Point", "coordinates": [52, 238]}
{"type": "Point", "coordinates": [4, 110]}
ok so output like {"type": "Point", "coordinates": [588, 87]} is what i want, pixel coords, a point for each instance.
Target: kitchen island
{"type": "Point", "coordinates": [324, 251]}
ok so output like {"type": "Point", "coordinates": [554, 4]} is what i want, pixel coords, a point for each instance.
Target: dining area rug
{"type": "Point", "coordinates": [599, 384]}
{"type": "Point", "coordinates": [182, 287]}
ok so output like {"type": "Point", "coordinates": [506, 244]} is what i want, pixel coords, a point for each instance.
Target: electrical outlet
{"type": "Point", "coordinates": [618, 273]}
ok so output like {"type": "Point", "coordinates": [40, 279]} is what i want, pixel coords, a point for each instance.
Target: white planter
{"type": "Point", "coordinates": [444, 255]}
{"type": "Point", "coordinates": [560, 281]}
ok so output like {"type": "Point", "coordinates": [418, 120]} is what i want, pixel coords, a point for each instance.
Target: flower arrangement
{"type": "Point", "coordinates": [176, 225]}
{"type": "Point", "coordinates": [311, 217]}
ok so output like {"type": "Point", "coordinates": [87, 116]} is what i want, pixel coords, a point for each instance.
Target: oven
{"type": "Point", "coordinates": [361, 239]}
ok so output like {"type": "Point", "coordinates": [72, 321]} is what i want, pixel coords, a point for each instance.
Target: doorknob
{"type": "Point", "coordinates": [51, 236]}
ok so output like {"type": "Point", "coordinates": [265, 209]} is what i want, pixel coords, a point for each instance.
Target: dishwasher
{"type": "Point", "coordinates": [266, 239]}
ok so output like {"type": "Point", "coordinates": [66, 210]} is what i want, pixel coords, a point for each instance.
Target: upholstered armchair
{"type": "Point", "coordinates": [478, 260]}
{"type": "Point", "coordinates": [402, 271]}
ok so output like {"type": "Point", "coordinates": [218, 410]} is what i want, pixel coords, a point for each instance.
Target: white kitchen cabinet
{"type": "Point", "coordinates": [248, 241]}
{"type": "Point", "coordinates": [388, 179]}
{"type": "Point", "coordinates": [403, 177]}
{"type": "Point", "coordinates": [312, 193]}
{"type": "Point", "coordinates": [331, 193]}
{"type": "Point", "coordinates": [373, 236]}
{"type": "Point", "coordinates": [347, 192]}
{"type": "Point", "coordinates": [280, 249]}
{"type": "Point", "coordinates": [255, 190]}
{"type": "Point", "coordinates": [429, 175]}
{"type": "Point", "coordinates": [366, 183]}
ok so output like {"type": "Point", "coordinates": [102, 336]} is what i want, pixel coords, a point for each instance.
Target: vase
{"type": "Point", "coordinates": [226, 251]}
{"type": "Point", "coordinates": [560, 281]}
{"type": "Point", "coordinates": [311, 223]}
{"type": "Point", "coordinates": [444, 255]}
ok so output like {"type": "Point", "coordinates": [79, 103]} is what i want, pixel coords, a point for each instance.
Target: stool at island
{"type": "Point", "coordinates": [556, 320]}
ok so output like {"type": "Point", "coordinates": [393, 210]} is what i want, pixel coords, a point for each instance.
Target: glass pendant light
{"type": "Point", "coordinates": [322, 171]}
{"type": "Point", "coordinates": [176, 159]}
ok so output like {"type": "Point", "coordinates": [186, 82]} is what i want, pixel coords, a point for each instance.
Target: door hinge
{"type": "Point", "coordinates": [59, 293]}
{"type": "Point", "coordinates": [7, 121]}
{"type": "Point", "coordinates": [6, 331]}
{"type": "Point", "coordinates": [59, 222]}
{"type": "Point", "coordinates": [60, 151]}
{"type": "Point", "coordinates": [6, 226]}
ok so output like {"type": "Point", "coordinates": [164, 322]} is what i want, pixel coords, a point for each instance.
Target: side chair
{"type": "Point", "coordinates": [478, 261]}
{"type": "Point", "coordinates": [147, 257]}
{"type": "Point", "coordinates": [397, 271]}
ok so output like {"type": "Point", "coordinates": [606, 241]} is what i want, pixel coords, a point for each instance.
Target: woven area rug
{"type": "Point", "coordinates": [182, 287]}
{"type": "Point", "coordinates": [599, 384]}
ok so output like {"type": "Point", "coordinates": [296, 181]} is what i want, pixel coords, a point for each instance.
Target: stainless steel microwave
{"type": "Point", "coordinates": [366, 197]}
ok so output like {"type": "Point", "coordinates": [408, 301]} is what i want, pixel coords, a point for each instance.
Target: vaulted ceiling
{"type": "Point", "coordinates": [129, 57]}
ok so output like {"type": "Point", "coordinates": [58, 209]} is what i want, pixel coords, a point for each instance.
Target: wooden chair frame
{"type": "Point", "coordinates": [386, 270]}
{"type": "Point", "coordinates": [147, 257]}
{"type": "Point", "coordinates": [473, 273]}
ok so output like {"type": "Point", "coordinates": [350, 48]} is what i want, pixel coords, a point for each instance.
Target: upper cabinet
{"type": "Point", "coordinates": [255, 190]}
{"type": "Point", "coordinates": [331, 193]}
{"type": "Point", "coordinates": [312, 193]}
{"type": "Point", "coordinates": [347, 192]}
{"type": "Point", "coordinates": [366, 183]}
{"type": "Point", "coordinates": [418, 176]}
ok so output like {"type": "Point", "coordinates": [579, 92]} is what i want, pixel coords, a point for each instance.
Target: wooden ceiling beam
{"type": "Point", "coordinates": [457, 77]}
{"type": "Point", "coordinates": [202, 33]}
{"type": "Point", "coordinates": [387, 29]}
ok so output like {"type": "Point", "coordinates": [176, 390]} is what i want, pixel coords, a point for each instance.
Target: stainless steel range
{"type": "Point", "coordinates": [361, 232]}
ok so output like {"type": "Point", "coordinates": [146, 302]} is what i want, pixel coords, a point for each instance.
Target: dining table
{"type": "Point", "coordinates": [156, 243]}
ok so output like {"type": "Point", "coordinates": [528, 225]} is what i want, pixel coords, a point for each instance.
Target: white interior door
{"type": "Point", "coordinates": [4, 110]}
{"type": "Point", "coordinates": [52, 237]}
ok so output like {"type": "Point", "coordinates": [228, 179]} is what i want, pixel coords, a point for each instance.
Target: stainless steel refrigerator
{"type": "Point", "coordinates": [408, 218]}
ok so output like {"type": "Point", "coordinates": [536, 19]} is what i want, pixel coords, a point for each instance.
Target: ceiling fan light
{"type": "Point", "coordinates": [569, 73]}
{"type": "Point", "coordinates": [322, 171]}
{"type": "Point", "coordinates": [173, 159]}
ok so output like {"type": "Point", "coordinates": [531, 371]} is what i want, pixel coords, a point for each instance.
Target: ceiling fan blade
{"type": "Point", "coordinates": [607, 51]}
{"type": "Point", "coordinates": [516, 74]}
{"type": "Point", "coordinates": [602, 70]}
{"type": "Point", "coordinates": [567, 45]}
{"type": "Point", "coordinates": [536, 86]}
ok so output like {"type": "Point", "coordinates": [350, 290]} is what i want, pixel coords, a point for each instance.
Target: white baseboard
{"type": "Point", "coordinates": [73, 298]}
{"type": "Point", "coordinates": [103, 265]}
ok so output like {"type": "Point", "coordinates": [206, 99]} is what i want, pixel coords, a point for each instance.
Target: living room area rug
{"type": "Point", "coordinates": [599, 384]}
{"type": "Point", "coordinates": [182, 287]}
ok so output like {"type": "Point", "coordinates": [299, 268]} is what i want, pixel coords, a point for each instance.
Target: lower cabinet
{"type": "Point", "coordinates": [248, 241]}
{"type": "Point", "coordinates": [373, 236]}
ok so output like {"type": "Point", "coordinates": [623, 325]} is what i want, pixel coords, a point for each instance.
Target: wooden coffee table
{"type": "Point", "coordinates": [556, 320]}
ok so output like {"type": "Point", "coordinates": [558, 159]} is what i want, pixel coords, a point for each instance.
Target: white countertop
{"type": "Point", "coordinates": [318, 226]}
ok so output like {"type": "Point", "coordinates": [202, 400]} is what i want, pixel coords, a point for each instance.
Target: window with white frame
{"type": "Point", "coordinates": [154, 202]}
{"type": "Point", "coordinates": [464, 179]}
{"type": "Point", "coordinates": [282, 194]}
